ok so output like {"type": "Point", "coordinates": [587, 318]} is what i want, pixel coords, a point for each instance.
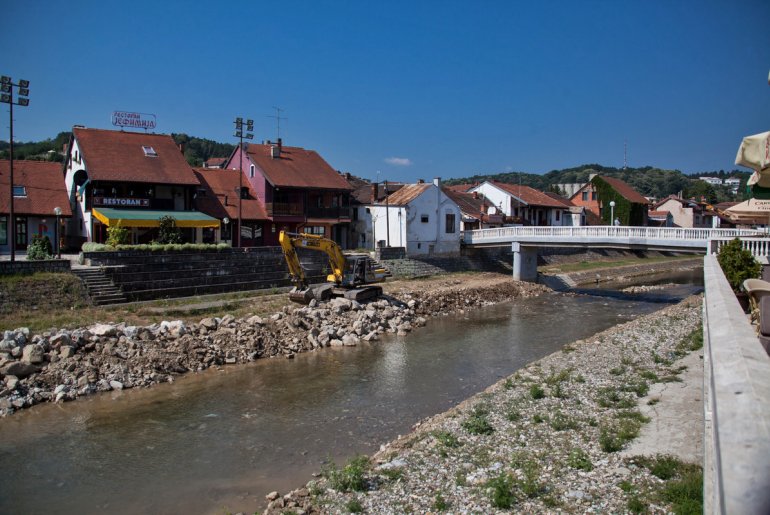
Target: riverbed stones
{"type": "Point", "coordinates": [33, 354]}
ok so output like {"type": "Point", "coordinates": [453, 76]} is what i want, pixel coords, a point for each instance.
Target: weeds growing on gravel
{"type": "Point", "coordinates": [579, 459]}
{"type": "Point", "coordinates": [477, 423]}
{"type": "Point", "coordinates": [350, 477]}
{"type": "Point", "coordinates": [536, 392]}
{"type": "Point", "coordinates": [502, 495]}
{"type": "Point", "coordinates": [614, 435]}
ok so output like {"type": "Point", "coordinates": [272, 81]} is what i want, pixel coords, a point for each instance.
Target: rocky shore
{"type": "Point", "coordinates": [61, 365]}
{"type": "Point", "coordinates": [546, 439]}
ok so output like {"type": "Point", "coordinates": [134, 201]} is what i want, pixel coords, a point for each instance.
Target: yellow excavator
{"type": "Point", "coordinates": [351, 276]}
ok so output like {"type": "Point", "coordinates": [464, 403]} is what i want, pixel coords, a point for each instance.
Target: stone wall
{"type": "Point", "coordinates": [31, 267]}
{"type": "Point", "coordinates": [486, 260]}
{"type": "Point", "coordinates": [383, 253]}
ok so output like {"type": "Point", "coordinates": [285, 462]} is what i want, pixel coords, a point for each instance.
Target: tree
{"type": "Point", "coordinates": [168, 232]}
{"type": "Point", "coordinates": [698, 189]}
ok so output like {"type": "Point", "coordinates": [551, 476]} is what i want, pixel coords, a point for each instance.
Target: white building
{"type": "Point", "coordinates": [525, 205]}
{"type": "Point", "coordinates": [716, 181]}
{"type": "Point", "coordinates": [419, 217]}
{"type": "Point", "coordinates": [733, 183]}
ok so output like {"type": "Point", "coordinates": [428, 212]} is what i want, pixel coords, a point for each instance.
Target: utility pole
{"type": "Point", "coordinates": [387, 217]}
{"type": "Point", "coordinates": [6, 97]}
{"type": "Point", "coordinates": [625, 154]}
{"type": "Point", "coordinates": [240, 135]}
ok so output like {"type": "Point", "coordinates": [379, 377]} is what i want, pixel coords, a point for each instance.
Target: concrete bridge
{"type": "Point", "coordinates": [524, 241]}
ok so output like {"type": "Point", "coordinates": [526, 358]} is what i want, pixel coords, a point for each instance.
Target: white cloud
{"type": "Point", "coordinates": [399, 161]}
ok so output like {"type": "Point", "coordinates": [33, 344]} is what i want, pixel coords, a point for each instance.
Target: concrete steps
{"type": "Point", "coordinates": [100, 288]}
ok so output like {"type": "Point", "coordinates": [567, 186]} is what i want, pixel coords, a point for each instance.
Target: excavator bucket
{"type": "Point", "coordinates": [303, 296]}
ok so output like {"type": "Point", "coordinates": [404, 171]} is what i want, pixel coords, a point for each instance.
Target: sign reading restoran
{"type": "Point", "coordinates": [121, 202]}
{"type": "Point", "coordinates": [136, 120]}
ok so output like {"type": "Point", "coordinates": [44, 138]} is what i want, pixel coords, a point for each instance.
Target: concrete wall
{"type": "Point", "coordinates": [31, 267]}
{"type": "Point", "coordinates": [736, 403]}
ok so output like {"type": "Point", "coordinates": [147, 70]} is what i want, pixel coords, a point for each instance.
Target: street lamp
{"type": "Point", "coordinates": [6, 97]}
{"type": "Point", "coordinates": [57, 212]}
{"type": "Point", "coordinates": [225, 221]}
{"type": "Point", "coordinates": [239, 123]}
{"type": "Point", "coordinates": [612, 212]}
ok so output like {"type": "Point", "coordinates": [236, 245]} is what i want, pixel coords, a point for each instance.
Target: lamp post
{"type": "Point", "coordinates": [225, 221]}
{"type": "Point", "coordinates": [6, 97]}
{"type": "Point", "coordinates": [612, 212]}
{"type": "Point", "coordinates": [241, 136]}
{"type": "Point", "coordinates": [57, 212]}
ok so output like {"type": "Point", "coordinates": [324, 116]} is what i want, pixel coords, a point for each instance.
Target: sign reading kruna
{"type": "Point", "coordinates": [136, 120]}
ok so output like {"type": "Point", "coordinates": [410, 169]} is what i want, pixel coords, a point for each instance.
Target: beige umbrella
{"type": "Point", "coordinates": [754, 153]}
{"type": "Point", "coordinates": [750, 211]}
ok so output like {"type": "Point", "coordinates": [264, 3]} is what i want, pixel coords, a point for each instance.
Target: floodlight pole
{"type": "Point", "coordinates": [239, 134]}
{"type": "Point", "coordinates": [7, 85]}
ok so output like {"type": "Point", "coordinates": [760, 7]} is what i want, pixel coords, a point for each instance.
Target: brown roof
{"type": "Point", "coordinates": [118, 156]}
{"type": "Point", "coordinates": [44, 184]}
{"type": "Point", "coordinates": [469, 204]}
{"type": "Point", "coordinates": [462, 188]}
{"type": "Point", "coordinates": [215, 162]}
{"type": "Point", "coordinates": [625, 190]}
{"type": "Point", "coordinates": [406, 194]}
{"type": "Point", "coordinates": [533, 197]}
{"type": "Point", "coordinates": [220, 198]}
{"type": "Point", "coordinates": [296, 168]}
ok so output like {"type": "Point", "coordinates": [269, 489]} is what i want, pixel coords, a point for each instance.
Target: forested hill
{"type": "Point", "coordinates": [196, 150]}
{"type": "Point", "coordinates": [647, 180]}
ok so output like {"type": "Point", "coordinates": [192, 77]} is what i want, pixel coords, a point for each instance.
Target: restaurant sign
{"type": "Point", "coordinates": [135, 120]}
{"type": "Point", "coordinates": [121, 202]}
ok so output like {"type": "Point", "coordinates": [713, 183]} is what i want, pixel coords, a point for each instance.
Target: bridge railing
{"type": "Point", "coordinates": [736, 470]}
{"type": "Point", "coordinates": [759, 247]}
{"type": "Point", "coordinates": [604, 232]}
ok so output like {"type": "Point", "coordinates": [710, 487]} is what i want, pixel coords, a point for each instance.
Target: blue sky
{"type": "Point", "coordinates": [409, 89]}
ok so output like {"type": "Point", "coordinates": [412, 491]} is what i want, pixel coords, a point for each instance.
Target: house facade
{"type": "Point", "coordinates": [419, 217]}
{"type": "Point", "coordinates": [477, 212]}
{"type": "Point", "coordinates": [597, 195]}
{"type": "Point", "coordinates": [38, 189]}
{"type": "Point", "coordinates": [527, 206]}
{"type": "Point", "coordinates": [132, 180]}
{"type": "Point", "coordinates": [688, 213]}
{"type": "Point", "coordinates": [298, 189]}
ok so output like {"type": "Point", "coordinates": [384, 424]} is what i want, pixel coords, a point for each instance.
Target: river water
{"type": "Point", "coordinates": [218, 441]}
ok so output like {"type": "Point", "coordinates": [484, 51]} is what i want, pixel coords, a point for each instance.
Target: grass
{"type": "Point", "coordinates": [502, 495]}
{"type": "Point", "coordinates": [609, 397]}
{"type": "Point", "coordinates": [477, 422]}
{"type": "Point", "coordinates": [615, 435]}
{"type": "Point", "coordinates": [536, 392]}
{"type": "Point", "coordinates": [683, 487]}
{"type": "Point", "coordinates": [439, 503]}
{"type": "Point", "coordinates": [592, 265]}
{"type": "Point", "coordinates": [447, 439]}
{"type": "Point", "coordinates": [349, 478]}
{"type": "Point", "coordinates": [354, 506]}
{"type": "Point", "coordinates": [393, 474]}
{"type": "Point", "coordinates": [579, 459]}
{"type": "Point", "coordinates": [562, 422]}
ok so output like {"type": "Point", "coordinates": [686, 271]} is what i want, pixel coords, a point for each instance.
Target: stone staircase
{"type": "Point", "coordinates": [100, 287]}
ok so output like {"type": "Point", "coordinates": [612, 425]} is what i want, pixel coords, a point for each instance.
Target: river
{"type": "Point", "coordinates": [218, 441]}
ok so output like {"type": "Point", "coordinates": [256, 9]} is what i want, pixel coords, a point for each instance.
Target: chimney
{"type": "Point", "coordinates": [181, 147]}
{"type": "Point", "coordinates": [347, 176]}
{"type": "Point", "coordinates": [280, 146]}
{"type": "Point", "coordinates": [375, 187]}
{"type": "Point", "coordinates": [437, 181]}
{"type": "Point", "coordinates": [275, 151]}
{"type": "Point", "coordinates": [476, 194]}
{"type": "Point", "coordinates": [420, 181]}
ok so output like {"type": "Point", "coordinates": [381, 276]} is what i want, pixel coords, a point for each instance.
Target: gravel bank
{"type": "Point", "coordinates": [61, 365]}
{"type": "Point", "coordinates": [543, 440]}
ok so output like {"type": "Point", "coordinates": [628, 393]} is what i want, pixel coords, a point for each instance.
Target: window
{"type": "Point", "coordinates": [558, 215]}
{"type": "Point", "coordinates": [319, 230]}
{"type": "Point", "coordinates": [251, 171]}
{"type": "Point", "coordinates": [450, 223]}
{"type": "Point", "coordinates": [149, 151]}
{"type": "Point", "coordinates": [593, 195]}
{"type": "Point", "coordinates": [19, 191]}
{"type": "Point", "coordinates": [584, 196]}
{"type": "Point", "coordinates": [424, 219]}
{"type": "Point", "coordinates": [3, 230]}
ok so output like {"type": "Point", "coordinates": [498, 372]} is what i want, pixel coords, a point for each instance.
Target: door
{"type": "Point", "coordinates": [21, 233]}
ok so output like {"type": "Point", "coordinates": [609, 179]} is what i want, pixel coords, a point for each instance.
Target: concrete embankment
{"type": "Point", "coordinates": [547, 438]}
{"type": "Point", "coordinates": [61, 365]}
{"type": "Point", "coordinates": [618, 273]}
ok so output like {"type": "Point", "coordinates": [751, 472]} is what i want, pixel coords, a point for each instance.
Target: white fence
{"type": "Point", "coordinates": [604, 233]}
{"type": "Point", "coordinates": [759, 247]}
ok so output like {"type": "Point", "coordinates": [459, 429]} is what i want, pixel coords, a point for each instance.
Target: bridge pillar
{"type": "Point", "coordinates": [524, 263]}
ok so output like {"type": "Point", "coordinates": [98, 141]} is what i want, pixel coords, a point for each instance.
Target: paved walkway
{"type": "Point", "coordinates": [677, 418]}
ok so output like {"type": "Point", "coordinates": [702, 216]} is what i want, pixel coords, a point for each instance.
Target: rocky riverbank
{"type": "Point", "coordinates": [61, 365]}
{"type": "Point", "coordinates": [543, 440]}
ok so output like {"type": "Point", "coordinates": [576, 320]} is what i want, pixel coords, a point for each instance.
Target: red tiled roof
{"type": "Point", "coordinates": [625, 190]}
{"type": "Point", "coordinates": [214, 162]}
{"type": "Point", "coordinates": [297, 168]}
{"type": "Point", "coordinates": [118, 156]}
{"type": "Point", "coordinates": [532, 196]}
{"type": "Point", "coordinates": [220, 183]}
{"type": "Point", "coordinates": [462, 188]}
{"type": "Point", "coordinates": [469, 204]}
{"type": "Point", "coordinates": [44, 184]}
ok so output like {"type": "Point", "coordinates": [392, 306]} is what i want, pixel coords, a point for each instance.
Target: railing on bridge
{"type": "Point", "coordinates": [759, 247]}
{"type": "Point", "coordinates": [604, 232]}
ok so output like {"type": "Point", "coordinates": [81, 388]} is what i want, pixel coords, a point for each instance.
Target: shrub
{"type": "Point", "coordinates": [502, 491]}
{"type": "Point", "coordinates": [737, 264]}
{"type": "Point", "coordinates": [350, 477]}
{"type": "Point", "coordinates": [168, 232]}
{"type": "Point", "coordinates": [579, 459]}
{"type": "Point", "coordinates": [477, 423]}
{"type": "Point", "coordinates": [39, 249]}
{"type": "Point", "coordinates": [354, 506]}
{"type": "Point", "coordinates": [614, 436]}
{"type": "Point", "coordinates": [440, 504]}
{"type": "Point", "coordinates": [117, 235]}
{"type": "Point", "coordinates": [536, 391]}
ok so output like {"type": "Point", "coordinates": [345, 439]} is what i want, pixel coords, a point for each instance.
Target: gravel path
{"type": "Point", "coordinates": [543, 440]}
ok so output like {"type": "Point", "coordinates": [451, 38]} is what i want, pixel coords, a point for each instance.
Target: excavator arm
{"type": "Point", "coordinates": [290, 241]}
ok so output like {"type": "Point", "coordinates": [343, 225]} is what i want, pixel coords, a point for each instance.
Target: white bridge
{"type": "Point", "coordinates": [525, 240]}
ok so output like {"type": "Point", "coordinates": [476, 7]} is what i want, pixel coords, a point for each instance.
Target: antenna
{"type": "Point", "coordinates": [278, 119]}
{"type": "Point", "coordinates": [625, 154]}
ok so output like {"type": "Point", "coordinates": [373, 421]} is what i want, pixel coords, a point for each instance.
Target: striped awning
{"type": "Point", "coordinates": [146, 218]}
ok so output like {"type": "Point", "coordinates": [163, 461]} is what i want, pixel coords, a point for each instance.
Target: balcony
{"type": "Point", "coordinates": [285, 209]}
{"type": "Point", "coordinates": [329, 212]}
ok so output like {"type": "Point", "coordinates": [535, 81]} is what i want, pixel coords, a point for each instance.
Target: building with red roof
{"type": "Point", "coordinates": [527, 206]}
{"type": "Point", "coordinates": [217, 196]}
{"type": "Point", "coordinates": [631, 207]}
{"type": "Point", "coordinates": [130, 179]}
{"type": "Point", "coordinates": [38, 189]}
{"type": "Point", "coordinates": [477, 211]}
{"type": "Point", "coordinates": [300, 191]}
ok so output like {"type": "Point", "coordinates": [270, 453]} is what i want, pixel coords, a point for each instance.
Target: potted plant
{"type": "Point", "coordinates": [738, 264]}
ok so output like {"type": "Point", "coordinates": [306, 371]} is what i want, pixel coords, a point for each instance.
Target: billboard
{"type": "Point", "coordinates": [134, 120]}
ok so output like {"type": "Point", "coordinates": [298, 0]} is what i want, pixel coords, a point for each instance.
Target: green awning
{"type": "Point", "coordinates": [144, 218]}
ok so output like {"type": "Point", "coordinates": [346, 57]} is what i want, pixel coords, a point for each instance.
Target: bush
{"type": "Point", "coordinates": [350, 477]}
{"type": "Point", "coordinates": [39, 249]}
{"type": "Point", "coordinates": [168, 232]}
{"type": "Point", "coordinates": [738, 264]}
{"type": "Point", "coordinates": [477, 423]}
{"type": "Point", "coordinates": [579, 459]}
{"type": "Point", "coordinates": [117, 235]}
{"type": "Point", "coordinates": [502, 491]}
